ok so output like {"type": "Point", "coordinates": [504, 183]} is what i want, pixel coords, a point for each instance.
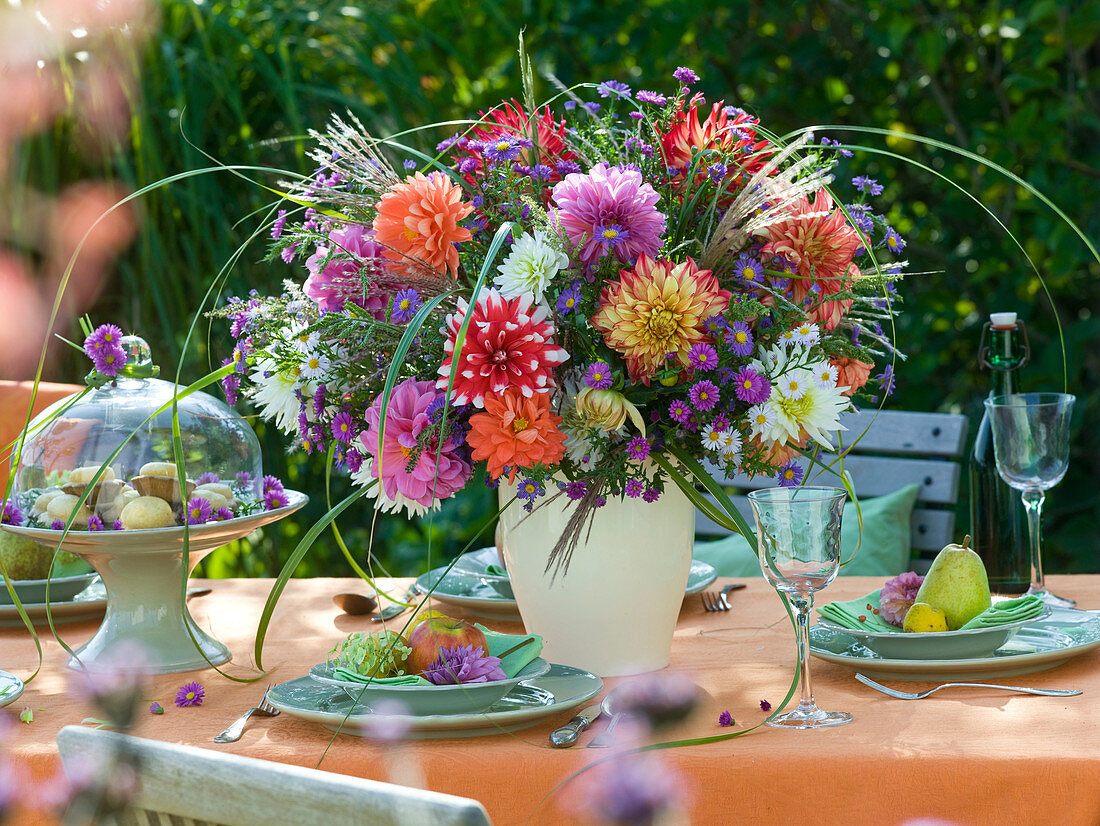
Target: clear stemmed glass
{"type": "Point", "coordinates": [1031, 445]}
{"type": "Point", "coordinates": [798, 535]}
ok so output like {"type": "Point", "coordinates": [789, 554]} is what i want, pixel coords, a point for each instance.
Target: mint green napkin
{"type": "Point", "coordinates": [496, 642]}
{"type": "Point", "coordinates": [493, 569]}
{"type": "Point", "coordinates": [847, 614]}
{"type": "Point", "coordinates": [1010, 610]}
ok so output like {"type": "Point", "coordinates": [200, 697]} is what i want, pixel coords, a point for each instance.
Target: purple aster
{"type": "Point", "coordinates": [464, 664]}
{"type": "Point", "coordinates": [156, 708]}
{"type": "Point", "coordinates": [244, 478]}
{"type": "Point", "coordinates": [409, 164]}
{"type": "Point", "coordinates": [277, 227]}
{"type": "Point", "coordinates": [592, 107]}
{"type": "Point", "coordinates": [354, 460]}
{"type": "Point", "coordinates": [570, 105]}
{"type": "Point", "coordinates": [405, 305]}
{"type": "Point", "coordinates": [865, 184]}
{"type": "Point", "coordinates": [635, 488]}
{"type": "Point", "coordinates": [576, 490]}
{"type": "Point", "coordinates": [611, 235]}
{"type": "Point", "coordinates": [504, 148]}
{"type": "Point", "coordinates": [704, 395]}
{"type": "Point", "coordinates": [604, 197]}
{"type": "Point", "coordinates": [105, 337]}
{"type": "Point", "coordinates": [109, 360]}
{"type": "Point", "coordinates": [614, 88]}
{"type": "Point", "coordinates": [679, 411]}
{"type": "Point", "coordinates": [703, 357]}
{"type": "Point", "coordinates": [116, 525]}
{"type": "Point", "coordinates": [199, 511]}
{"type": "Point", "coordinates": [530, 490]}
{"type": "Point", "coordinates": [288, 253]}
{"type": "Point", "coordinates": [272, 483]}
{"type": "Point", "coordinates": [886, 379]}
{"type": "Point", "coordinates": [739, 338]}
{"type": "Point", "coordinates": [599, 501]}
{"type": "Point", "coordinates": [207, 477]}
{"type": "Point", "coordinates": [748, 269]}
{"type": "Point", "coordinates": [57, 525]}
{"type": "Point", "coordinates": [635, 114]}
{"type": "Point", "coordinates": [685, 75]}
{"type": "Point", "coordinates": [319, 400]}
{"type": "Point", "coordinates": [765, 705]}
{"type": "Point", "coordinates": [190, 694]}
{"type": "Point", "coordinates": [275, 499]}
{"type": "Point", "coordinates": [790, 474]}
{"type": "Point", "coordinates": [894, 242]}
{"type": "Point", "coordinates": [223, 513]}
{"type": "Point", "coordinates": [651, 495]}
{"type": "Point", "coordinates": [725, 719]}
{"type": "Point", "coordinates": [717, 172]}
{"type": "Point", "coordinates": [11, 514]}
{"type": "Point", "coordinates": [860, 216]}
{"type": "Point", "coordinates": [751, 387]}
{"type": "Point", "coordinates": [598, 376]}
{"type": "Point", "coordinates": [95, 523]}
{"type": "Point", "coordinates": [343, 427]}
{"type": "Point", "coordinates": [569, 298]}
{"type": "Point", "coordinates": [230, 385]}
{"type": "Point", "coordinates": [540, 172]}
{"type": "Point", "coordinates": [638, 448]}
{"type": "Point", "coordinates": [632, 788]}
{"type": "Point", "coordinates": [656, 98]}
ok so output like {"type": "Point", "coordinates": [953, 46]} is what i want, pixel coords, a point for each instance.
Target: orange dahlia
{"type": "Point", "coordinates": [851, 372]}
{"type": "Point", "coordinates": [733, 134]}
{"type": "Point", "coordinates": [657, 310]}
{"type": "Point", "coordinates": [820, 243]}
{"type": "Point", "coordinates": [419, 217]}
{"type": "Point", "coordinates": [516, 431]}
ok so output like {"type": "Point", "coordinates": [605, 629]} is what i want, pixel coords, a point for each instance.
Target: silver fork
{"type": "Point", "coordinates": [909, 695]}
{"type": "Point", "coordinates": [718, 602]}
{"type": "Point", "coordinates": [236, 729]}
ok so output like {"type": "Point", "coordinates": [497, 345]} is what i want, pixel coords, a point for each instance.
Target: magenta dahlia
{"type": "Point", "coordinates": [898, 595]}
{"type": "Point", "coordinates": [333, 284]}
{"type": "Point", "coordinates": [407, 462]}
{"type": "Point", "coordinates": [509, 343]}
{"type": "Point", "coordinates": [609, 210]}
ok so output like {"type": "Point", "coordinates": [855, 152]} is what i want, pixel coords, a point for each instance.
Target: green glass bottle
{"type": "Point", "coordinates": [998, 522]}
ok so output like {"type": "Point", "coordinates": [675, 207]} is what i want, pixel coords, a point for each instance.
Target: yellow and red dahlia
{"type": "Point", "coordinates": [418, 218]}
{"type": "Point", "coordinates": [658, 310]}
{"type": "Point", "coordinates": [516, 431]}
{"type": "Point", "coordinates": [820, 243]}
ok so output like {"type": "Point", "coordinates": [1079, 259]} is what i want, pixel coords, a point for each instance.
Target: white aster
{"type": "Point", "coordinates": [806, 333]}
{"type": "Point", "coordinates": [274, 393]}
{"type": "Point", "coordinates": [712, 437]}
{"type": "Point", "coordinates": [792, 385]}
{"type": "Point", "coordinates": [315, 366]}
{"type": "Point", "coordinates": [761, 419]}
{"type": "Point", "coordinates": [530, 266]}
{"type": "Point", "coordinates": [824, 374]}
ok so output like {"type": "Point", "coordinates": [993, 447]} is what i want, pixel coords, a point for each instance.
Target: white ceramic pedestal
{"type": "Point", "coordinates": [142, 572]}
{"type": "Point", "coordinates": [615, 611]}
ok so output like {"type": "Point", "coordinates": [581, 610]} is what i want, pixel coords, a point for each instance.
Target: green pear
{"type": "Point", "coordinates": [23, 558]}
{"type": "Point", "coordinates": [956, 584]}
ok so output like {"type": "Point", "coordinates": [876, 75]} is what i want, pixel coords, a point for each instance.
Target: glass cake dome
{"type": "Point", "coordinates": [66, 444]}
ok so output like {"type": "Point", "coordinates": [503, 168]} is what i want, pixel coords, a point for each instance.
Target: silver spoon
{"type": "Point", "coordinates": [355, 604]}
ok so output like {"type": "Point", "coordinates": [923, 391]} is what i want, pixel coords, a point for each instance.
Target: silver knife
{"type": "Point", "coordinates": [567, 734]}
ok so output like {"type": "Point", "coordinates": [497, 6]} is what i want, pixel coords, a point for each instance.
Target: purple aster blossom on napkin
{"type": "Point", "coordinates": [156, 708]}
{"type": "Point", "coordinates": [725, 719]}
{"type": "Point", "coordinates": [190, 694]}
{"type": "Point", "coordinates": [464, 664]}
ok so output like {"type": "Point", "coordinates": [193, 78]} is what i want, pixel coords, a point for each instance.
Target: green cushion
{"type": "Point", "coordinates": [884, 550]}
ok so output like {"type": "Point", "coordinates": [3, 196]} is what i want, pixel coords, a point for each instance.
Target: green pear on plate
{"type": "Point", "coordinates": [957, 585]}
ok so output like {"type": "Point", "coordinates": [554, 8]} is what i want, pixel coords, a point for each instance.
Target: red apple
{"type": "Point", "coordinates": [435, 633]}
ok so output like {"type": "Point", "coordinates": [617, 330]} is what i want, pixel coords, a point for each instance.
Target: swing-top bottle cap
{"type": "Point", "coordinates": [1002, 319]}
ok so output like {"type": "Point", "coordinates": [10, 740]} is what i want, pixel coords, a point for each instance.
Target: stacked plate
{"type": "Point", "coordinates": [71, 599]}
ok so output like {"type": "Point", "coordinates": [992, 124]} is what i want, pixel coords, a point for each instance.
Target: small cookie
{"type": "Point", "coordinates": [159, 469]}
{"type": "Point", "coordinates": [218, 487]}
{"type": "Point", "coordinates": [83, 475]}
{"type": "Point", "coordinates": [60, 507]}
{"type": "Point", "coordinates": [44, 499]}
{"type": "Point", "coordinates": [147, 512]}
{"type": "Point", "coordinates": [215, 499]}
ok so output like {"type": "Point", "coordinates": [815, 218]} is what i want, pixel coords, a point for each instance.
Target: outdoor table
{"type": "Point", "coordinates": [969, 756]}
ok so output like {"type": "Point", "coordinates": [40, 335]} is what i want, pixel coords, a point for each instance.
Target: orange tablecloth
{"type": "Point", "coordinates": [14, 398]}
{"type": "Point", "coordinates": [968, 756]}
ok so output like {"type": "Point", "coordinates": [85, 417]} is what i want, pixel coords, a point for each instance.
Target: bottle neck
{"type": "Point", "coordinates": [1005, 359]}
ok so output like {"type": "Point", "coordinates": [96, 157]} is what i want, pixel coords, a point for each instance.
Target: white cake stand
{"type": "Point", "coordinates": [141, 571]}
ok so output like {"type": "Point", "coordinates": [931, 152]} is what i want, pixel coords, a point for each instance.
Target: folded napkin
{"type": "Point", "coordinates": [1009, 610]}
{"type": "Point", "coordinates": [511, 663]}
{"type": "Point", "coordinates": [848, 614]}
{"type": "Point", "coordinates": [493, 569]}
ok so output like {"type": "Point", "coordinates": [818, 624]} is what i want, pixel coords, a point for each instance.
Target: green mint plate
{"type": "Point", "coordinates": [33, 591]}
{"type": "Point", "coordinates": [560, 689]}
{"type": "Point", "coordinates": [88, 604]}
{"type": "Point", "coordinates": [467, 698]}
{"type": "Point", "coordinates": [11, 688]}
{"type": "Point", "coordinates": [1038, 645]}
{"type": "Point", "coordinates": [468, 585]}
{"type": "Point", "coordinates": [935, 645]}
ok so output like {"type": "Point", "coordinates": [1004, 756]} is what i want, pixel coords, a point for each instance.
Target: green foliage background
{"type": "Point", "coordinates": [242, 81]}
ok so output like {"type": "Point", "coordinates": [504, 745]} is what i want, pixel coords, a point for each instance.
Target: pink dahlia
{"type": "Point", "coordinates": [609, 210]}
{"type": "Point", "coordinates": [821, 243]}
{"type": "Point", "coordinates": [509, 343]}
{"type": "Point", "coordinates": [407, 461]}
{"type": "Point", "coordinates": [898, 595]}
{"type": "Point", "coordinates": [339, 281]}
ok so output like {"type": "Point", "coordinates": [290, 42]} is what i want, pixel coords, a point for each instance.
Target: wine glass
{"type": "Point", "coordinates": [798, 535]}
{"type": "Point", "coordinates": [1031, 446]}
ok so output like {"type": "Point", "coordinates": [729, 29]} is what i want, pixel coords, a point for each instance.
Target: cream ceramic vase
{"type": "Point", "coordinates": [614, 612]}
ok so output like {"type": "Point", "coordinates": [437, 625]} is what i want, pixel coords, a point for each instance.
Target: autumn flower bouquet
{"type": "Point", "coordinates": [564, 292]}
